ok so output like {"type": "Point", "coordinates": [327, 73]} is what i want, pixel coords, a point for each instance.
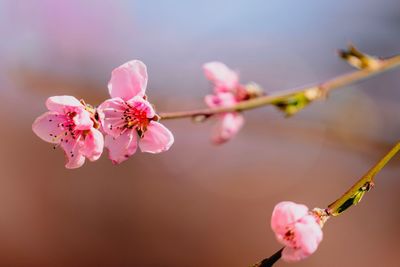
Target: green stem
{"type": "Point", "coordinates": [356, 192]}
{"type": "Point", "coordinates": [316, 91]}
{"type": "Point", "coordinates": [350, 198]}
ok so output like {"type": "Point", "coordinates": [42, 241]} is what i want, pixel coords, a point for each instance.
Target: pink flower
{"type": "Point", "coordinates": [227, 92]}
{"type": "Point", "coordinates": [128, 119]}
{"type": "Point", "coordinates": [223, 78]}
{"type": "Point", "coordinates": [70, 125]}
{"type": "Point", "coordinates": [297, 229]}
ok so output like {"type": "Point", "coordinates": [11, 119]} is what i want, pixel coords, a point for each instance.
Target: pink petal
{"type": "Point", "coordinates": [82, 120]}
{"type": "Point", "coordinates": [73, 154]}
{"type": "Point", "coordinates": [308, 234]}
{"type": "Point", "coordinates": [110, 112]}
{"type": "Point", "coordinates": [156, 139]}
{"type": "Point", "coordinates": [128, 80]}
{"type": "Point", "coordinates": [63, 104]}
{"type": "Point", "coordinates": [285, 214]}
{"type": "Point", "coordinates": [290, 254]}
{"type": "Point", "coordinates": [227, 127]}
{"type": "Point", "coordinates": [93, 145]}
{"type": "Point", "coordinates": [47, 126]}
{"type": "Point", "coordinates": [143, 105]}
{"type": "Point", "coordinates": [223, 78]}
{"type": "Point", "coordinates": [220, 100]}
{"type": "Point", "coordinates": [122, 147]}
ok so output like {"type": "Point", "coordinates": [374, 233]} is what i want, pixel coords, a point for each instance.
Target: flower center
{"type": "Point", "coordinates": [289, 235]}
{"type": "Point", "coordinates": [135, 117]}
{"type": "Point", "coordinates": [68, 131]}
{"type": "Point", "coordinates": [68, 127]}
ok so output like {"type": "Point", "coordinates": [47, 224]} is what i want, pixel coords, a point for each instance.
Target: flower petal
{"type": "Point", "coordinates": [82, 120]}
{"type": "Point", "coordinates": [110, 112]}
{"type": "Point", "coordinates": [227, 127]}
{"type": "Point", "coordinates": [156, 139]}
{"type": "Point", "coordinates": [47, 126]}
{"type": "Point", "coordinates": [224, 79]}
{"type": "Point", "coordinates": [285, 214]}
{"type": "Point", "coordinates": [72, 151]}
{"type": "Point", "coordinates": [220, 100]}
{"type": "Point", "coordinates": [122, 147]}
{"type": "Point", "coordinates": [93, 145]}
{"type": "Point", "coordinates": [290, 254]}
{"type": "Point", "coordinates": [63, 104]}
{"type": "Point", "coordinates": [143, 105]}
{"type": "Point", "coordinates": [128, 80]}
{"type": "Point", "coordinates": [308, 234]}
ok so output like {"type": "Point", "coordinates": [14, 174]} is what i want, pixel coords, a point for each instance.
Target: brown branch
{"type": "Point", "coordinates": [351, 198]}
{"type": "Point", "coordinates": [310, 93]}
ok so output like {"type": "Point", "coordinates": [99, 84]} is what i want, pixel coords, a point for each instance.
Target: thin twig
{"type": "Point", "coordinates": [356, 192]}
{"type": "Point", "coordinates": [315, 92]}
{"type": "Point", "coordinates": [269, 262]}
{"type": "Point", "coordinates": [352, 197]}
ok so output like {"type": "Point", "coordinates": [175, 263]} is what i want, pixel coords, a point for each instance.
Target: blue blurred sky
{"type": "Point", "coordinates": [266, 40]}
{"type": "Point", "coordinates": [70, 46]}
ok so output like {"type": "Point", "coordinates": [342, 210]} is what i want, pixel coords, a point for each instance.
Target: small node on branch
{"type": "Point", "coordinates": [156, 118]}
{"type": "Point", "coordinates": [253, 90]}
{"type": "Point", "coordinates": [358, 59]}
{"type": "Point", "coordinates": [292, 104]}
{"type": "Point", "coordinates": [200, 118]}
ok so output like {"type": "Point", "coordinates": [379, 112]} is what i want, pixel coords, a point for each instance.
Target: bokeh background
{"type": "Point", "coordinates": [197, 204]}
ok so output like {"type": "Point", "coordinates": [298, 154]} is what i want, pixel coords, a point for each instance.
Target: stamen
{"type": "Point", "coordinates": [134, 116]}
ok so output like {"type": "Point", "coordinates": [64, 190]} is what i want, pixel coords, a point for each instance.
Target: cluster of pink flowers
{"type": "Point", "coordinates": [127, 120]}
{"type": "Point", "coordinates": [227, 92]}
{"type": "Point", "coordinates": [298, 229]}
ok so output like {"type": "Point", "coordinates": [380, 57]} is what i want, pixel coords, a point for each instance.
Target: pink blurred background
{"type": "Point", "coordinates": [198, 204]}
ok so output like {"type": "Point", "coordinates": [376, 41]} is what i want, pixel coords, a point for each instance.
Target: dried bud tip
{"type": "Point", "coordinates": [358, 59]}
{"type": "Point", "coordinates": [200, 118]}
{"type": "Point", "coordinates": [156, 118]}
{"type": "Point", "coordinates": [254, 90]}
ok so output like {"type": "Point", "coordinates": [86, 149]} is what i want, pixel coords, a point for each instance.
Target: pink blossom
{"type": "Point", "coordinates": [128, 119]}
{"type": "Point", "coordinates": [297, 229]}
{"type": "Point", "coordinates": [227, 92]}
{"type": "Point", "coordinates": [223, 78]}
{"type": "Point", "coordinates": [70, 125]}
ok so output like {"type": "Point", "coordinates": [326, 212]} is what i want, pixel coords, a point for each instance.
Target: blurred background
{"type": "Point", "coordinates": [197, 204]}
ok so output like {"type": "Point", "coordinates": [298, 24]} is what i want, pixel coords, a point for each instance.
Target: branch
{"type": "Point", "coordinates": [351, 198]}
{"type": "Point", "coordinates": [354, 195]}
{"type": "Point", "coordinates": [369, 69]}
{"type": "Point", "coordinates": [269, 262]}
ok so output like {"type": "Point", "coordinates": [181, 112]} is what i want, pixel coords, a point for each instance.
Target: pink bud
{"type": "Point", "coordinates": [297, 229]}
